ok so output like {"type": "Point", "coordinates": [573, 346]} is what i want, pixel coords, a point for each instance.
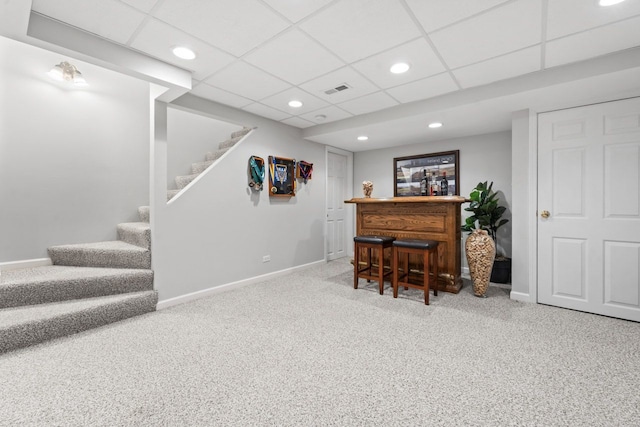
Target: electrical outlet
{"type": "Point", "coordinates": [266, 258]}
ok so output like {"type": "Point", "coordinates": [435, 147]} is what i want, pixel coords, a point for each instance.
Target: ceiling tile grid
{"type": "Point", "coordinates": [258, 54]}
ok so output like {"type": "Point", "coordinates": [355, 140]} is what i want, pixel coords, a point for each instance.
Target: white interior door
{"type": "Point", "coordinates": [336, 211]}
{"type": "Point", "coordinates": [589, 182]}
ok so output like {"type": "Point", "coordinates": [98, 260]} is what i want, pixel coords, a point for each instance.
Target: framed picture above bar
{"type": "Point", "coordinates": [408, 172]}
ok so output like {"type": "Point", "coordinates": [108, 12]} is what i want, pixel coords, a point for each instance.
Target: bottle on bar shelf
{"type": "Point", "coordinates": [423, 184]}
{"type": "Point", "coordinates": [444, 185]}
{"type": "Point", "coordinates": [434, 184]}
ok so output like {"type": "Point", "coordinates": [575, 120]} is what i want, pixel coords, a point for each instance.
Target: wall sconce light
{"type": "Point", "coordinates": [65, 72]}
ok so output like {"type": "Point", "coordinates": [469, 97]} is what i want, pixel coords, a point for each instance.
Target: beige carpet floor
{"type": "Point", "coordinates": [309, 350]}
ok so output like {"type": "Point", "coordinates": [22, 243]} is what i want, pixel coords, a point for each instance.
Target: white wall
{"type": "Point", "coordinates": [524, 155]}
{"type": "Point", "coordinates": [482, 158]}
{"type": "Point", "coordinates": [73, 162]}
{"type": "Point", "coordinates": [190, 137]}
{"type": "Point", "coordinates": [219, 230]}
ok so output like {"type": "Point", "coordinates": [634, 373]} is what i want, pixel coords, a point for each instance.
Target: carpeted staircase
{"type": "Point", "coordinates": [89, 284]}
{"type": "Point", "coordinates": [209, 159]}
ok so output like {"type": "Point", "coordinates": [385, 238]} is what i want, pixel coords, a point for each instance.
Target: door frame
{"type": "Point", "coordinates": [349, 221]}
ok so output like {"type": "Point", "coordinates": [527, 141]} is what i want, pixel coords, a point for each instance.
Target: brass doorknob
{"type": "Point", "coordinates": [545, 214]}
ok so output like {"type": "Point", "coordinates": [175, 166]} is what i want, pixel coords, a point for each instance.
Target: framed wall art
{"type": "Point", "coordinates": [409, 171]}
{"type": "Point", "coordinates": [282, 178]}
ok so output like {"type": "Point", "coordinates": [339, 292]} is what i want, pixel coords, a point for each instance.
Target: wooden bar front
{"type": "Point", "coordinates": [431, 217]}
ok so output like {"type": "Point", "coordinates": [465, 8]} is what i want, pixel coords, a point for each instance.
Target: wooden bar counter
{"type": "Point", "coordinates": [431, 217]}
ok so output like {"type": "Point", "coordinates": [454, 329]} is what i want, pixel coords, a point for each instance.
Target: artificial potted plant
{"type": "Point", "coordinates": [487, 215]}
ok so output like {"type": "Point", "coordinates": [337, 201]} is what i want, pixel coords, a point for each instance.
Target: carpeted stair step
{"type": "Point", "coordinates": [215, 155]}
{"type": "Point", "coordinates": [115, 254]}
{"type": "Point", "coordinates": [25, 326]}
{"type": "Point", "coordinates": [143, 213]}
{"type": "Point", "coordinates": [41, 285]}
{"type": "Point", "coordinates": [229, 142]}
{"type": "Point", "coordinates": [183, 181]}
{"type": "Point", "coordinates": [136, 233]}
{"type": "Point", "coordinates": [201, 166]}
{"type": "Point", "coordinates": [240, 133]}
{"type": "Point", "coordinates": [171, 194]}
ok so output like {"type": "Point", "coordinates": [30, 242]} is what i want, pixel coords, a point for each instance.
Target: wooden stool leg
{"type": "Point", "coordinates": [426, 277]}
{"type": "Point", "coordinates": [406, 268]}
{"type": "Point", "coordinates": [435, 272]}
{"type": "Point", "coordinates": [394, 266]}
{"type": "Point", "coordinates": [381, 269]}
{"type": "Point", "coordinates": [369, 266]}
{"type": "Point", "coordinates": [356, 264]}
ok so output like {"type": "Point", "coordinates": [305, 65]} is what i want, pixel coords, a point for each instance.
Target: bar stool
{"type": "Point", "coordinates": [428, 249]}
{"type": "Point", "coordinates": [379, 243]}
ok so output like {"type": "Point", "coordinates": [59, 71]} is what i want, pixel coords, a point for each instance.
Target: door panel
{"type": "Point", "coordinates": [589, 182]}
{"type": "Point", "coordinates": [336, 212]}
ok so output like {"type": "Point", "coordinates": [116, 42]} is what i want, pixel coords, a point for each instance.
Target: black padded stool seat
{"type": "Point", "coordinates": [379, 243]}
{"type": "Point", "coordinates": [428, 249]}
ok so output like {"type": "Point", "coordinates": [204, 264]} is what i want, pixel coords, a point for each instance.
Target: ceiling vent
{"type": "Point", "coordinates": [338, 88]}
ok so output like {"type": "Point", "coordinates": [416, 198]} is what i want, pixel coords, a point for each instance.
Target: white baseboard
{"type": "Point", "coordinates": [234, 285]}
{"type": "Point", "coordinates": [520, 296]}
{"type": "Point", "coordinates": [27, 263]}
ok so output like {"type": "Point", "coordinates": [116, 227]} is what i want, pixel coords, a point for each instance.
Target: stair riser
{"type": "Point", "coordinates": [240, 133]}
{"type": "Point", "coordinates": [109, 259]}
{"type": "Point", "coordinates": [215, 155]}
{"type": "Point", "coordinates": [200, 167]}
{"type": "Point", "coordinates": [39, 331]}
{"type": "Point", "coordinates": [229, 143]}
{"type": "Point", "coordinates": [144, 214]}
{"type": "Point", "coordinates": [63, 290]}
{"type": "Point", "coordinates": [140, 238]}
{"type": "Point", "coordinates": [183, 181]}
{"type": "Point", "coordinates": [171, 194]}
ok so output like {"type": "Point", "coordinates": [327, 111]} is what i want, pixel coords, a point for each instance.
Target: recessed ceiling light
{"type": "Point", "coordinates": [183, 52]}
{"type": "Point", "coordinates": [609, 2]}
{"type": "Point", "coordinates": [321, 117]}
{"type": "Point", "coordinates": [435, 125]}
{"type": "Point", "coordinates": [295, 104]}
{"type": "Point", "coordinates": [399, 68]}
{"type": "Point", "coordinates": [363, 138]}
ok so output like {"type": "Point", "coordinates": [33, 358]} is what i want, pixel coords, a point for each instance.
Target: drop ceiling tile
{"type": "Point", "coordinates": [157, 38]}
{"type": "Point", "coordinates": [368, 103]}
{"type": "Point", "coordinates": [433, 15]}
{"type": "Point", "coordinates": [268, 112]}
{"type": "Point", "coordinates": [109, 19]}
{"type": "Point", "coordinates": [503, 67]}
{"type": "Point", "coordinates": [281, 100]}
{"type": "Point", "coordinates": [356, 29]}
{"type": "Point", "coordinates": [143, 5]}
{"type": "Point", "coordinates": [294, 58]}
{"type": "Point", "coordinates": [211, 93]}
{"type": "Point", "coordinates": [295, 10]}
{"type": "Point", "coordinates": [246, 80]}
{"type": "Point", "coordinates": [417, 53]}
{"type": "Point", "coordinates": [505, 29]}
{"type": "Point", "coordinates": [423, 89]}
{"type": "Point", "coordinates": [235, 26]}
{"type": "Point", "coordinates": [599, 41]}
{"type": "Point", "coordinates": [571, 16]}
{"type": "Point", "coordinates": [331, 113]}
{"type": "Point", "coordinates": [298, 122]}
{"type": "Point", "coordinates": [359, 86]}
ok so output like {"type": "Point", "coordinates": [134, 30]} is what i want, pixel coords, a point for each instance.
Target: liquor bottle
{"type": "Point", "coordinates": [444, 185]}
{"type": "Point", "coordinates": [434, 184]}
{"type": "Point", "coordinates": [423, 184]}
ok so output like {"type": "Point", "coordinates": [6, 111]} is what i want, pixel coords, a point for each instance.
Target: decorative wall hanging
{"type": "Point", "coordinates": [256, 172]}
{"type": "Point", "coordinates": [304, 170]}
{"type": "Point", "coordinates": [282, 176]}
{"type": "Point", "coordinates": [439, 167]}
